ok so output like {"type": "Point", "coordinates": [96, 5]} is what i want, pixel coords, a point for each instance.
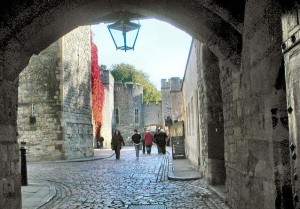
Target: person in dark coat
{"type": "Point", "coordinates": [156, 139]}
{"type": "Point", "coordinates": [136, 139]}
{"type": "Point", "coordinates": [98, 136]}
{"type": "Point", "coordinates": [143, 140]}
{"type": "Point", "coordinates": [161, 140]}
{"type": "Point", "coordinates": [101, 140]}
{"type": "Point", "coordinates": [117, 142]}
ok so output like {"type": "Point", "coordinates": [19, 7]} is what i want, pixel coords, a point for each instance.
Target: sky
{"type": "Point", "coordinates": [161, 50]}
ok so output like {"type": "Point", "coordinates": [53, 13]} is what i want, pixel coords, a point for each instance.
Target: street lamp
{"type": "Point", "coordinates": [124, 34]}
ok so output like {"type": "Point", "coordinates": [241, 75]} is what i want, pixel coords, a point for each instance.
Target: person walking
{"type": "Point", "coordinates": [101, 140]}
{"type": "Point", "coordinates": [143, 140]}
{"type": "Point", "coordinates": [117, 142]}
{"type": "Point", "coordinates": [148, 141]}
{"type": "Point", "coordinates": [136, 139]}
{"type": "Point", "coordinates": [156, 139]}
{"type": "Point", "coordinates": [98, 136]}
{"type": "Point", "coordinates": [161, 138]}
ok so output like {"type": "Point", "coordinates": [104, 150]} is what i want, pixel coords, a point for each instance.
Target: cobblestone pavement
{"type": "Point", "coordinates": [126, 183]}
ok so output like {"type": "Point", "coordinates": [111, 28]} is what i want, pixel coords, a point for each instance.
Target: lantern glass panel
{"type": "Point", "coordinates": [118, 37]}
{"type": "Point", "coordinates": [124, 34]}
{"type": "Point", "coordinates": [130, 38]}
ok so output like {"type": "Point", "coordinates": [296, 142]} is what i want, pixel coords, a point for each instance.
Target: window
{"type": "Point", "coordinates": [117, 111]}
{"type": "Point", "coordinates": [136, 116]}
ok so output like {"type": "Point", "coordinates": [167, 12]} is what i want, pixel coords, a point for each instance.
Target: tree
{"type": "Point", "coordinates": [128, 73]}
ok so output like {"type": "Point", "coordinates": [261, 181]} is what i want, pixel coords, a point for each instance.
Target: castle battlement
{"type": "Point", "coordinates": [172, 84]}
{"type": "Point", "coordinates": [106, 76]}
{"type": "Point", "coordinates": [175, 84]}
{"type": "Point", "coordinates": [165, 84]}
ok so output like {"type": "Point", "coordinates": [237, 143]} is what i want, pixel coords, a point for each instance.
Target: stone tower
{"type": "Point", "coordinates": [128, 113]}
{"type": "Point", "coordinates": [171, 98]}
{"type": "Point", "coordinates": [108, 106]}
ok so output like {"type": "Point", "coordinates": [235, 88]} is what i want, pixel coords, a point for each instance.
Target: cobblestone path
{"type": "Point", "coordinates": [126, 183]}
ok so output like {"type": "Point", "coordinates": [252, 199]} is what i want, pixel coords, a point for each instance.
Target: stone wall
{"type": "Point", "coordinates": [128, 97]}
{"type": "Point", "coordinates": [290, 47]}
{"type": "Point", "coordinates": [108, 107]}
{"type": "Point", "coordinates": [191, 113]}
{"type": "Point", "coordinates": [39, 96]}
{"type": "Point", "coordinates": [55, 89]}
{"type": "Point", "coordinates": [10, 182]}
{"type": "Point", "coordinates": [176, 105]}
{"type": "Point", "coordinates": [211, 116]}
{"type": "Point", "coordinates": [204, 135]}
{"type": "Point", "coordinates": [76, 96]}
{"type": "Point", "coordinates": [152, 114]}
{"type": "Point", "coordinates": [255, 144]}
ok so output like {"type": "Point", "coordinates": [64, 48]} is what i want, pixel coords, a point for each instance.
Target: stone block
{"type": "Point", "coordinates": [237, 132]}
{"type": "Point", "coordinates": [3, 153]}
{"type": "Point", "coordinates": [259, 149]}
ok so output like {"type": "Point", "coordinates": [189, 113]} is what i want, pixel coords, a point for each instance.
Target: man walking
{"type": "Point", "coordinates": [136, 139]}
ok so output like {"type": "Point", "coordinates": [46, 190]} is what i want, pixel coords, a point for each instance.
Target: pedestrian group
{"type": "Point", "coordinates": [145, 139]}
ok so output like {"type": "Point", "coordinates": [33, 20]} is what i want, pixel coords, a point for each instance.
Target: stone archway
{"type": "Point", "coordinates": [34, 27]}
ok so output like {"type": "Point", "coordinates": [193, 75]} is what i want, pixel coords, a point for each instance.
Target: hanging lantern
{"type": "Point", "coordinates": [124, 34]}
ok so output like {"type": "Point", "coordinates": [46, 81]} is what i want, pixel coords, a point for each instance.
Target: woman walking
{"type": "Point", "coordinates": [116, 143]}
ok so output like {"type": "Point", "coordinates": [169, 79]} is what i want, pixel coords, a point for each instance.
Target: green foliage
{"type": "Point", "coordinates": [128, 73]}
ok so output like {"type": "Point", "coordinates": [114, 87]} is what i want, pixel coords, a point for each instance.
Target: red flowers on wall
{"type": "Point", "coordinates": [97, 86]}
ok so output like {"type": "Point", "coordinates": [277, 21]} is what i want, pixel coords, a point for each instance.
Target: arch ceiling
{"type": "Point", "coordinates": [27, 27]}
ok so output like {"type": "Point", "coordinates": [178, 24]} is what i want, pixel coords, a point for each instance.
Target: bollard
{"type": "Point", "coordinates": [24, 181]}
